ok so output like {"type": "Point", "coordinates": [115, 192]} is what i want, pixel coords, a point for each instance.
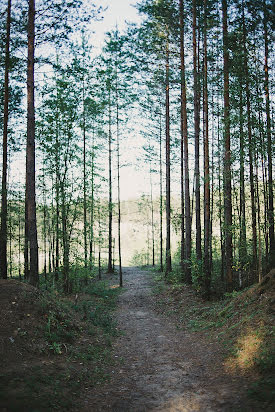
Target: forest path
{"type": "Point", "coordinates": [163, 368]}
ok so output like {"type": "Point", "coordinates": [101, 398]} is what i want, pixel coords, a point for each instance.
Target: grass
{"type": "Point", "coordinates": [241, 322]}
{"type": "Point", "coordinates": [76, 338]}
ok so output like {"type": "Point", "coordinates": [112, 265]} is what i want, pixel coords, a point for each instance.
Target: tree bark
{"type": "Point", "coordinates": [269, 150]}
{"type": "Point", "coordinates": [118, 183]}
{"type": "Point", "coordinates": [168, 183]}
{"type": "Point", "coordinates": [206, 258]}
{"type": "Point", "coordinates": [250, 150]}
{"type": "Point", "coordinates": [31, 234]}
{"type": "Point", "coordinates": [152, 217]}
{"type": "Point", "coordinates": [110, 206]}
{"type": "Point", "coordinates": [91, 260]}
{"type": "Point", "coordinates": [242, 245]}
{"type": "Point", "coordinates": [227, 158]}
{"type": "Point", "coordinates": [185, 188]}
{"type": "Point", "coordinates": [160, 194]}
{"type": "Point", "coordinates": [197, 134]}
{"type": "Point", "coordinates": [4, 205]}
{"type": "Point", "coordinates": [84, 179]}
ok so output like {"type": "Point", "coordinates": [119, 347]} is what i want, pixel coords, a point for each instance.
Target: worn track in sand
{"type": "Point", "coordinates": [163, 368]}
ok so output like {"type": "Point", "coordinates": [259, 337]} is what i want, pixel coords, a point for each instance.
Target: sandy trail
{"type": "Point", "coordinates": [163, 368]}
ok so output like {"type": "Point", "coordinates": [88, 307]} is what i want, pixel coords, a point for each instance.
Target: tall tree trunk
{"type": "Point", "coordinates": [9, 237]}
{"type": "Point", "coordinates": [118, 184]}
{"type": "Point", "coordinates": [99, 241]}
{"type": "Point", "coordinates": [160, 194]}
{"type": "Point", "coordinates": [262, 153]}
{"type": "Point", "coordinates": [57, 202]}
{"type": "Point", "coordinates": [31, 234]}
{"type": "Point", "coordinates": [84, 179]}
{"type": "Point", "coordinates": [220, 202]}
{"type": "Point", "coordinates": [242, 245]}
{"type": "Point", "coordinates": [168, 183]}
{"type": "Point", "coordinates": [4, 207]}
{"type": "Point", "coordinates": [44, 222]}
{"type": "Point", "coordinates": [260, 268]}
{"type": "Point", "coordinates": [91, 261]}
{"type": "Point", "coordinates": [206, 259]}
{"type": "Point", "coordinates": [197, 133]}
{"type": "Point", "coordinates": [19, 237]}
{"type": "Point", "coordinates": [185, 190]}
{"type": "Point", "coordinates": [65, 240]}
{"type": "Point", "coordinates": [152, 217]}
{"type": "Point", "coordinates": [110, 206]}
{"type": "Point", "coordinates": [250, 149]}
{"type": "Point", "coordinates": [269, 150]}
{"type": "Point", "coordinates": [227, 158]}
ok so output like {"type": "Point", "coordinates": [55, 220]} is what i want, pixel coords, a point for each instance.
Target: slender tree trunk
{"type": "Point", "coordinates": [161, 194]}
{"type": "Point", "coordinates": [206, 260]}
{"type": "Point", "coordinates": [57, 201]}
{"type": "Point", "coordinates": [212, 186]}
{"type": "Point", "coordinates": [92, 204]}
{"type": "Point", "coordinates": [99, 242]}
{"type": "Point", "coordinates": [66, 265]}
{"type": "Point", "coordinates": [227, 158]}
{"type": "Point", "coordinates": [19, 238]}
{"type": "Point", "coordinates": [114, 248]}
{"type": "Point", "coordinates": [168, 184]}
{"type": "Point", "coordinates": [269, 150]}
{"type": "Point", "coordinates": [118, 184]}
{"type": "Point", "coordinates": [242, 245]}
{"type": "Point", "coordinates": [10, 243]}
{"type": "Point", "coordinates": [197, 135]}
{"type": "Point", "coordinates": [84, 179]}
{"type": "Point", "coordinates": [263, 155]}
{"type": "Point", "coordinates": [152, 218]}
{"type": "Point", "coordinates": [250, 150]}
{"type": "Point", "coordinates": [4, 207]}
{"type": "Point", "coordinates": [44, 223]}
{"type": "Point", "coordinates": [260, 268]}
{"type": "Point", "coordinates": [185, 190]}
{"type": "Point", "coordinates": [220, 203]}
{"type": "Point", "coordinates": [110, 206]}
{"type": "Point", "coordinates": [52, 246]}
{"type": "Point", "coordinates": [31, 234]}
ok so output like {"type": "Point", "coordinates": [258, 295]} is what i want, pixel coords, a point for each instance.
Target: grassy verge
{"type": "Point", "coordinates": [62, 348]}
{"type": "Point", "coordinates": [243, 322]}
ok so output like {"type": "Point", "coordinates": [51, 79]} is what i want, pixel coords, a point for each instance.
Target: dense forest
{"type": "Point", "coordinates": [137, 250]}
{"type": "Point", "coordinates": [193, 82]}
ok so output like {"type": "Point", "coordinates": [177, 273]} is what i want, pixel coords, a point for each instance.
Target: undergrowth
{"type": "Point", "coordinates": [240, 321]}
{"type": "Point", "coordinates": [72, 350]}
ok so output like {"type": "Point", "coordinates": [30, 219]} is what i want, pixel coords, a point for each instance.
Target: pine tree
{"type": "Point", "coordinates": [3, 229]}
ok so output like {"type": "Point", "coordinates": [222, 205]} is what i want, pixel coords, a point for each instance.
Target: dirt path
{"type": "Point", "coordinates": [163, 369]}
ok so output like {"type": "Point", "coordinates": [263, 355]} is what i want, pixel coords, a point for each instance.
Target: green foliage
{"type": "Point", "coordinates": [97, 310]}
{"type": "Point", "coordinates": [175, 276]}
{"type": "Point", "coordinates": [140, 258]}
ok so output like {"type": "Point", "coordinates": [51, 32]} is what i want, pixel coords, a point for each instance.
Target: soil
{"type": "Point", "coordinates": [156, 364]}
{"type": "Point", "coordinates": [162, 368]}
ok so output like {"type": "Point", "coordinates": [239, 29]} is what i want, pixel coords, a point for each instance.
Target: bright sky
{"type": "Point", "coordinates": [117, 13]}
{"type": "Point", "coordinates": [133, 180]}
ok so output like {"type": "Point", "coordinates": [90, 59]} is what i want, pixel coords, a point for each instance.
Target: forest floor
{"type": "Point", "coordinates": [150, 347]}
{"type": "Point", "coordinates": [165, 367]}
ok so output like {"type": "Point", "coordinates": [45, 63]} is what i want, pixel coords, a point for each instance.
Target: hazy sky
{"type": "Point", "coordinates": [118, 11]}
{"type": "Point", "coordinates": [133, 179]}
